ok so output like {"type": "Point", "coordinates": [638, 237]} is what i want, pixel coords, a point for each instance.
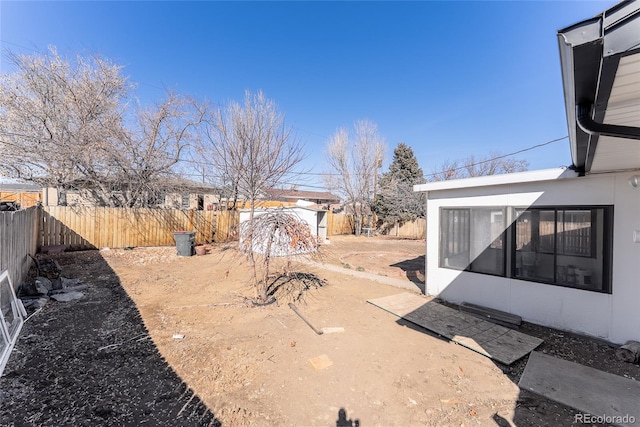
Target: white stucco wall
{"type": "Point", "coordinates": [609, 316]}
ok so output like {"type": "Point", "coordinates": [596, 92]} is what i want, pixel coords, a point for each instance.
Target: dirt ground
{"type": "Point", "coordinates": [212, 357]}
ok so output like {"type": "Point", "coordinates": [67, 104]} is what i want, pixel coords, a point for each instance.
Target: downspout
{"type": "Point", "coordinates": [426, 240]}
{"type": "Point", "coordinates": [588, 125]}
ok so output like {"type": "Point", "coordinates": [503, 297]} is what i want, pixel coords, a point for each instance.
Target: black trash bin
{"type": "Point", "coordinates": [185, 242]}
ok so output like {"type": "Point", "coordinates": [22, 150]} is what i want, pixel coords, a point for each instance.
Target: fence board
{"type": "Point", "coordinates": [339, 224]}
{"type": "Point", "coordinates": [18, 239]}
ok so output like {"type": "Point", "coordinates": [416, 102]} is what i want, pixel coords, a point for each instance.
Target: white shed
{"type": "Point", "coordinates": [314, 218]}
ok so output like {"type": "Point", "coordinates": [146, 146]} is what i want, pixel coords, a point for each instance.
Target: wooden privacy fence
{"type": "Point", "coordinates": [18, 240]}
{"type": "Point", "coordinates": [344, 224]}
{"type": "Point", "coordinates": [411, 229]}
{"type": "Point", "coordinates": [339, 224]}
{"type": "Point", "coordinates": [98, 227]}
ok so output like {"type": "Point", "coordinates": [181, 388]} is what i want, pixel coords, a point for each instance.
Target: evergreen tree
{"type": "Point", "coordinates": [396, 201]}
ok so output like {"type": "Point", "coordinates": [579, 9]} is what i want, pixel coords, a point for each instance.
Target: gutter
{"type": "Point", "coordinates": [588, 125]}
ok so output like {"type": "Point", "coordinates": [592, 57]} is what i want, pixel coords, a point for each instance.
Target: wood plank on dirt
{"type": "Point", "coordinates": [494, 341]}
{"type": "Point", "coordinates": [492, 315]}
{"type": "Point", "coordinates": [320, 362]}
{"type": "Point", "coordinates": [586, 389]}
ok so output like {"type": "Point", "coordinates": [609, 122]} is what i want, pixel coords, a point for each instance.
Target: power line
{"type": "Point", "coordinates": [497, 157]}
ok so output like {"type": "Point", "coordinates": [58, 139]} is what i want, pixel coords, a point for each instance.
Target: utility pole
{"type": "Point", "coordinates": [375, 173]}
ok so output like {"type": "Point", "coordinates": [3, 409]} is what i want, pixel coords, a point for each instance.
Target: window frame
{"type": "Point", "coordinates": [468, 244]}
{"type": "Point", "coordinates": [597, 243]}
{"type": "Point", "coordinates": [607, 245]}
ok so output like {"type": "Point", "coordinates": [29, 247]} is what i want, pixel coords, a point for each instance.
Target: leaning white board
{"type": "Point", "coordinates": [12, 316]}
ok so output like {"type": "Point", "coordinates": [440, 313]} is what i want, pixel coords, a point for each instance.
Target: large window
{"type": "Point", "coordinates": [567, 246]}
{"type": "Point", "coordinates": [472, 239]}
{"type": "Point", "coordinates": [564, 246]}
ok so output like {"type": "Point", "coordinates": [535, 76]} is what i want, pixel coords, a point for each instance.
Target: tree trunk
{"type": "Point", "coordinates": [357, 223]}
{"type": "Point", "coordinates": [629, 352]}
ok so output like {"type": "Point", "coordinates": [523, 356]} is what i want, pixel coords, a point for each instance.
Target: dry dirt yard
{"type": "Point", "coordinates": [250, 365]}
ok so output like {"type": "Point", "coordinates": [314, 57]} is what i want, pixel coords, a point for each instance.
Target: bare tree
{"type": "Point", "coordinates": [447, 171]}
{"type": "Point", "coordinates": [355, 164]}
{"type": "Point", "coordinates": [55, 115]}
{"type": "Point", "coordinates": [146, 156]}
{"type": "Point", "coordinates": [471, 166]}
{"type": "Point", "coordinates": [250, 147]}
{"type": "Point", "coordinates": [70, 123]}
{"type": "Point", "coordinates": [276, 234]}
{"type": "Point", "coordinates": [252, 151]}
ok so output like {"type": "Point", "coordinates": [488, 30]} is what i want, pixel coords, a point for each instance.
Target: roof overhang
{"type": "Point", "coordinates": [502, 179]}
{"type": "Point", "coordinates": [600, 60]}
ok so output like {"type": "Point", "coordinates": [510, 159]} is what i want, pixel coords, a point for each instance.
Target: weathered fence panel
{"type": "Point", "coordinates": [410, 229]}
{"type": "Point", "coordinates": [339, 224]}
{"type": "Point", "coordinates": [227, 223]}
{"type": "Point", "coordinates": [18, 240]}
{"type": "Point", "coordinates": [96, 227]}
{"type": "Point", "coordinates": [343, 223]}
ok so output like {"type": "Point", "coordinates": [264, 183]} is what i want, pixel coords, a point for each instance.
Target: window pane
{"type": "Point", "coordinates": [487, 236]}
{"type": "Point", "coordinates": [454, 238]}
{"type": "Point", "coordinates": [563, 246]}
{"type": "Point", "coordinates": [473, 240]}
{"type": "Point", "coordinates": [535, 241]}
{"type": "Point", "coordinates": [575, 234]}
{"type": "Point", "coordinates": [547, 231]}
{"type": "Point", "coordinates": [580, 264]}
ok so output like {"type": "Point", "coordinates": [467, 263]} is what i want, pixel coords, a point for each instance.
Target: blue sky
{"type": "Point", "coordinates": [450, 79]}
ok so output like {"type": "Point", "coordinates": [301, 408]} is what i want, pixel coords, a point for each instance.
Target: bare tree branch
{"type": "Point", "coordinates": [69, 124]}
{"type": "Point", "coordinates": [472, 166]}
{"type": "Point", "coordinates": [356, 162]}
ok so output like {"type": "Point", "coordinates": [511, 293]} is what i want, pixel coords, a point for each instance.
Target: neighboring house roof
{"type": "Point", "coordinates": [503, 179]}
{"type": "Point", "coordinates": [169, 184]}
{"type": "Point", "coordinates": [293, 195]}
{"type": "Point", "coordinates": [17, 187]}
{"type": "Point", "coordinates": [600, 60]}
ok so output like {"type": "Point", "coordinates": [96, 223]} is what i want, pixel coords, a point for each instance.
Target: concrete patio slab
{"type": "Point", "coordinates": [614, 399]}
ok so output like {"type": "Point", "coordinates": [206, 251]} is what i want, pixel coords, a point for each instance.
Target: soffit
{"type": "Point", "coordinates": [623, 109]}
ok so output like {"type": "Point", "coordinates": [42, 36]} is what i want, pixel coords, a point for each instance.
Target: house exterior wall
{"type": "Point", "coordinates": [609, 316]}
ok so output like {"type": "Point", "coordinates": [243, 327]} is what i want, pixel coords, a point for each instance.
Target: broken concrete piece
{"type": "Point", "coordinates": [41, 287]}
{"type": "Point", "coordinates": [68, 283]}
{"type": "Point", "coordinates": [56, 284]}
{"type": "Point", "coordinates": [69, 289]}
{"type": "Point", "coordinates": [34, 302]}
{"type": "Point", "coordinates": [43, 281]}
{"type": "Point", "coordinates": [67, 296]}
{"type": "Point", "coordinates": [320, 362]}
